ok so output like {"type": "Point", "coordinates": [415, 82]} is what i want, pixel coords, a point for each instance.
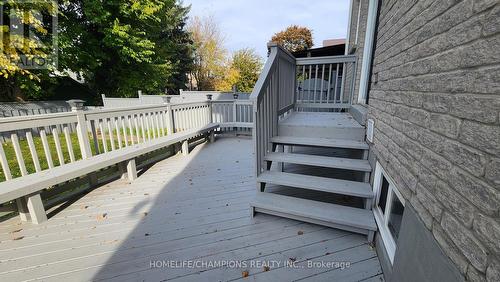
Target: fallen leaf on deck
{"type": "Point", "coordinates": [102, 216]}
{"type": "Point", "coordinates": [266, 268]}
{"type": "Point", "coordinates": [244, 273]}
{"type": "Point", "coordinates": [300, 232]}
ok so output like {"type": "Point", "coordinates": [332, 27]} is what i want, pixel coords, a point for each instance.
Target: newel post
{"type": "Point", "coordinates": [209, 100]}
{"type": "Point", "coordinates": [82, 134]}
{"type": "Point", "coordinates": [169, 114]}
{"type": "Point", "coordinates": [235, 100]}
{"type": "Point", "coordinates": [81, 127]}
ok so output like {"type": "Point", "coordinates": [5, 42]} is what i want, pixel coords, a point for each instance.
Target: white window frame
{"type": "Point", "coordinates": [381, 218]}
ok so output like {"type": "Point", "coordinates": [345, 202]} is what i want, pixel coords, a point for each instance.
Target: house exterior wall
{"type": "Point", "coordinates": [435, 100]}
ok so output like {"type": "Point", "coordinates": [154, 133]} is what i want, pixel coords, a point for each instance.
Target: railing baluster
{"type": "Point", "coordinates": [336, 83]}
{"type": "Point", "coordinates": [5, 164]}
{"type": "Point", "coordinates": [19, 154]}
{"type": "Point", "coordinates": [148, 127]}
{"type": "Point", "coordinates": [157, 122]}
{"type": "Point", "coordinates": [110, 133]}
{"type": "Point", "coordinates": [34, 154]}
{"type": "Point", "coordinates": [303, 81]}
{"type": "Point", "coordinates": [322, 82]}
{"type": "Point", "coordinates": [95, 140]}
{"type": "Point", "coordinates": [59, 152]}
{"type": "Point", "coordinates": [46, 148]}
{"type": "Point", "coordinates": [137, 128]}
{"type": "Point", "coordinates": [131, 129]}
{"type": "Point", "coordinates": [143, 128]}
{"type": "Point", "coordinates": [69, 144]}
{"type": "Point", "coordinates": [153, 125]}
{"type": "Point", "coordinates": [309, 84]}
{"type": "Point", "coordinates": [103, 136]}
{"type": "Point", "coordinates": [124, 127]}
{"type": "Point", "coordinates": [118, 133]}
{"type": "Point", "coordinates": [161, 122]}
{"type": "Point", "coordinates": [329, 83]}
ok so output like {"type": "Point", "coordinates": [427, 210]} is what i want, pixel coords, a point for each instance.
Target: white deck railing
{"type": "Point", "coordinates": [45, 141]}
{"type": "Point", "coordinates": [325, 82]}
{"type": "Point", "coordinates": [304, 84]}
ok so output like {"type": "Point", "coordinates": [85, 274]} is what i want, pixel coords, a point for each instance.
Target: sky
{"type": "Point", "coordinates": [252, 23]}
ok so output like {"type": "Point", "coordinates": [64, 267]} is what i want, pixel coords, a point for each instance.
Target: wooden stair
{"type": "Point", "coordinates": [321, 155]}
{"type": "Point", "coordinates": [321, 161]}
{"type": "Point", "coordinates": [332, 215]}
{"type": "Point", "coordinates": [320, 142]}
{"type": "Point", "coordinates": [323, 184]}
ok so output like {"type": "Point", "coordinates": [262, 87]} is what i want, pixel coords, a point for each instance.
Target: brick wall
{"type": "Point", "coordinates": [436, 108]}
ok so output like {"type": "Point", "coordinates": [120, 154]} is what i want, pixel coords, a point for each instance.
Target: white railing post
{"type": "Point", "coordinates": [235, 120]}
{"type": "Point", "coordinates": [169, 114]}
{"type": "Point", "coordinates": [82, 134]}
{"type": "Point", "coordinates": [81, 128]}
{"type": "Point", "coordinates": [209, 101]}
{"type": "Point", "coordinates": [139, 94]}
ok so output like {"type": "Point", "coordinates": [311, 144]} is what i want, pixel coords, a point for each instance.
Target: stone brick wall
{"type": "Point", "coordinates": [436, 106]}
{"type": "Point", "coordinates": [361, 39]}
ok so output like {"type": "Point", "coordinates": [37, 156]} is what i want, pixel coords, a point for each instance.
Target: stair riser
{"type": "Point", "coordinates": [356, 134]}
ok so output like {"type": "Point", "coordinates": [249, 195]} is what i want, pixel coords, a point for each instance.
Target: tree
{"type": "Point", "coordinates": [24, 37]}
{"type": "Point", "coordinates": [229, 77]}
{"type": "Point", "coordinates": [210, 53]}
{"type": "Point", "coordinates": [294, 38]}
{"type": "Point", "coordinates": [117, 47]}
{"type": "Point", "coordinates": [248, 64]}
{"type": "Point", "coordinates": [121, 46]}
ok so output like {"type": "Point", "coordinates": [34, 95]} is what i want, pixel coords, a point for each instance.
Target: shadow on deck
{"type": "Point", "coordinates": [183, 210]}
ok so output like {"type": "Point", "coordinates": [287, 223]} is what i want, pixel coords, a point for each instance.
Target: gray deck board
{"type": "Point", "coordinates": [320, 161]}
{"type": "Point", "coordinates": [182, 208]}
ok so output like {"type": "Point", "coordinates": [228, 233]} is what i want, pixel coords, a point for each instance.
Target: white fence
{"type": "Point", "coordinates": [107, 130]}
{"type": "Point", "coordinates": [325, 83]}
{"type": "Point", "coordinates": [15, 109]}
{"type": "Point", "coordinates": [185, 96]}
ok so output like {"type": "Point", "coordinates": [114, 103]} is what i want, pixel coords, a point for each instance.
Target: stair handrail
{"type": "Point", "coordinates": [272, 96]}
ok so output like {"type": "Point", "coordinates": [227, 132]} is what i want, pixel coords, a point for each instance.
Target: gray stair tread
{"type": "Point", "coordinates": [336, 214]}
{"type": "Point", "coordinates": [330, 185]}
{"type": "Point", "coordinates": [322, 161]}
{"type": "Point", "coordinates": [320, 142]}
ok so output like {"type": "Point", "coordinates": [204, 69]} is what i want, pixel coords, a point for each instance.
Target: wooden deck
{"type": "Point", "coordinates": [192, 209]}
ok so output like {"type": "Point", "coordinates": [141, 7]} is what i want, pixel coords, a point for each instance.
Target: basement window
{"type": "Point", "coordinates": [389, 208]}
